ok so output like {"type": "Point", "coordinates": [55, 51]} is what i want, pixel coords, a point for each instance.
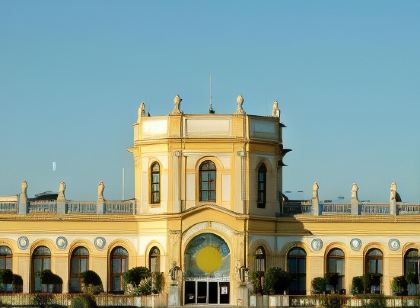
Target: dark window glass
{"type": "Point", "coordinates": [411, 270]}
{"type": "Point", "coordinates": [207, 181]}
{"type": "Point", "coordinates": [41, 260]}
{"type": "Point", "coordinates": [260, 259]}
{"type": "Point", "coordinates": [262, 186]}
{"type": "Point", "coordinates": [79, 263]}
{"type": "Point", "coordinates": [118, 266]}
{"type": "Point", "coordinates": [155, 183]}
{"type": "Point", "coordinates": [296, 265]}
{"type": "Point", "coordinates": [373, 265]}
{"type": "Point", "coordinates": [335, 264]}
{"type": "Point", "coordinates": [154, 260]}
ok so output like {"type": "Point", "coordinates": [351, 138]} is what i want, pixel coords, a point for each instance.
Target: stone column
{"type": "Point", "coordinates": [23, 199]}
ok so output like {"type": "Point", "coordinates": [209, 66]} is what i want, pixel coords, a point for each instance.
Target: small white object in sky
{"type": "Point", "coordinates": [54, 166]}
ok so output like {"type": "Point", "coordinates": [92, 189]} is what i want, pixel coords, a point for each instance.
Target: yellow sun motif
{"type": "Point", "coordinates": [208, 259]}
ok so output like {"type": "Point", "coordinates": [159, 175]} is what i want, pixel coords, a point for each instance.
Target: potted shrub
{"type": "Point", "coordinates": [276, 283]}
{"type": "Point", "coordinates": [51, 283]}
{"type": "Point", "coordinates": [319, 285]}
{"type": "Point", "coordinates": [91, 282]}
{"type": "Point", "coordinates": [399, 286]}
{"type": "Point", "coordinates": [158, 283]}
{"type": "Point", "coordinates": [358, 285]}
{"type": "Point", "coordinates": [6, 279]}
{"type": "Point", "coordinates": [257, 290]}
{"type": "Point", "coordinates": [332, 280]}
{"type": "Point", "coordinates": [17, 284]}
{"type": "Point", "coordinates": [412, 281]}
{"type": "Point", "coordinates": [83, 301]}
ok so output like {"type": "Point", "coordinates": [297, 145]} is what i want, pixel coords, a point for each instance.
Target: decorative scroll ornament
{"type": "Point", "coordinates": [394, 244]}
{"type": "Point", "coordinates": [317, 244]}
{"type": "Point", "coordinates": [99, 242]}
{"type": "Point", "coordinates": [356, 244]}
{"type": "Point", "coordinates": [61, 242]}
{"type": "Point", "coordinates": [23, 242]}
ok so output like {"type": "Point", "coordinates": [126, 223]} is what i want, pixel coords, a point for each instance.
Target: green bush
{"type": "Point", "coordinates": [332, 280]}
{"type": "Point", "coordinates": [412, 278]}
{"type": "Point", "coordinates": [136, 274]}
{"type": "Point", "coordinates": [158, 282]}
{"type": "Point", "coordinates": [256, 278]}
{"type": "Point", "coordinates": [42, 299]}
{"type": "Point", "coordinates": [276, 281]}
{"type": "Point", "coordinates": [332, 300]}
{"type": "Point", "coordinates": [6, 276]}
{"type": "Point", "coordinates": [92, 283]}
{"type": "Point", "coordinates": [83, 301]}
{"type": "Point", "coordinates": [319, 285]}
{"type": "Point", "coordinates": [17, 284]}
{"type": "Point", "coordinates": [373, 301]}
{"type": "Point", "coordinates": [399, 285]}
{"type": "Point", "coordinates": [358, 285]}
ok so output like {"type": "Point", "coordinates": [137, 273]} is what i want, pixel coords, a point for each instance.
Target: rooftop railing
{"type": "Point", "coordinates": [81, 207]}
{"type": "Point", "coordinates": [120, 206]}
{"type": "Point", "coordinates": [42, 206]}
{"type": "Point", "coordinates": [336, 208]}
{"type": "Point", "coordinates": [8, 207]}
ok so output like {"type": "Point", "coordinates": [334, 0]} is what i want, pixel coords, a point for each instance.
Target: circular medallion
{"type": "Point", "coordinates": [394, 244]}
{"type": "Point", "coordinates": [316, 244]}
{"type": "Point", "coordinates": [61, 242]}
{"type": "Point", "coordinates": [99, 242]}
{"type": "Point", "coordinates": [355, 244]}
{"type": "Point", "coordinates": [208, 259]}
{"type": "Point", "coordinates": [23, 242]}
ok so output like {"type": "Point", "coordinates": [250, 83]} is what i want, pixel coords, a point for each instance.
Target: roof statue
{"type": "Point", "coordinates": [177, 105]}
{"type": "Point", "coordinates": [61, 190]}
{"type": "Point", "coordinates": [239, 102]}
{"type": "Point", "coordinates": [101, 188]}
{"type": "Point", "coordinates": [141, 111]}
{"type": "Point", "coordinates": [354, 190]}
{"type": "Point", "coordinates": [393, 192]}
{"type": "Point", "coordinates": [24, 187]}
{"type": "Point", "coordinates": [315, 188]}
{"type": "Point", "coordinates": [276, 111]}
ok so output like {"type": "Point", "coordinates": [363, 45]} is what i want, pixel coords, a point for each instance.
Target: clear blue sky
{"type": "Point", "coordinates": [346, 74]}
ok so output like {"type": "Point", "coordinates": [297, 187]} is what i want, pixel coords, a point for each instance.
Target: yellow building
{"type": "Point", "coordinates": [208, 201]}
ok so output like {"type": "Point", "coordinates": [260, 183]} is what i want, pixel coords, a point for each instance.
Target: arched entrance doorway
{"type": "Point", "coordinates": [206, 270]}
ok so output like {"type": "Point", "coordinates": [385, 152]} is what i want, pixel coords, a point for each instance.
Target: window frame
{"type": "Point", "coordinates": [113, 256]}
{"type": "Point", "coordinates": [155, 193]}
{"type": "Point", "coordinates": [154, 254]}
{"type": "Point", "coordinates": [210, 182]}
{"type": "Point", "coordinates": [78, 274]}
{"type": "Point", "coordinates": [261, 191]}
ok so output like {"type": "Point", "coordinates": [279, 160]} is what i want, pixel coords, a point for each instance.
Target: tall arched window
{"type": "Point", "coordinates": [335, 265]}
{"type": "Point", "coordinates": [154, 260]}
{"type": "Point", "coordinates": [208, 181]}
{"type": "Point", "coordinates": [5, 263]}
{"type": "Point", "coordinates": [155, 183]}
{"type": "Point", "coordinates": [296, 266]}
{"type": "Point", "coordinates": [5, 258]}
{"type": "Point", "coordinates": [41, 260]}
{"type": "Point", "coordinates": [411, 270]}
{"type": "Point", "coordinates": [373, 265]}
{"type": "Point", "coordinates": [260, 259]}
{"type": "Point", "coordinates": [79, 263]}
{"type": "Point", "coordinates": [118, 266]}
{"type": "Point", "coordinates": [262, 186]}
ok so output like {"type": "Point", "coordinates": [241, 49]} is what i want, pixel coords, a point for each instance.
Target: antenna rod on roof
{"type": "Point", "coordinates": [211, 110]}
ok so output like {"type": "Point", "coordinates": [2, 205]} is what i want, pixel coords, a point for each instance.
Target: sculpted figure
{"type": "Point", "coordinates": [101, 188]}
{"type": "Point", "coordinates": [141, 111]}
{"type": "Point", "coordinates": [315, 189]}
{"type": "Point", "coordinates": [24, 187]}
{"type": "Point", "coordinates": [177, 105]}
{"type": "Point", "coordinates": [354, 190]}
{"type": "Point", "coordinates": [61, 190]}
{"type": "Point", "coordinates": [393, 191]}
{"type": "Point", "coordinates": [276, 110]}
{"type": "Point", "coordinates": [239, 102]}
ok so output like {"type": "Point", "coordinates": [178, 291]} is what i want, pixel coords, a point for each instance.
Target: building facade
{"type": "Point", "coordinates": [209, 205]}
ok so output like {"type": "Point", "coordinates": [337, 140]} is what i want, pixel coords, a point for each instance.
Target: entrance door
{"type": "Point", "coordinates": [206, 292]}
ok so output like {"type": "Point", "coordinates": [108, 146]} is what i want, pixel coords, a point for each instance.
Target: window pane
{"type": "Point", "coordinates": [83, 265]}
{"type": "Point", "coordinates": [212, 196]}
{"type": "Point", "coordinates": [204, 196]}
{"type": "Point", "coordinates": [204, 186]}
{"type": "Point", "coordinates": [116, 265]}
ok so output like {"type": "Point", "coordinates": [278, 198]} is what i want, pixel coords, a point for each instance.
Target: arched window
{"type": "Point", "coordinates": [373, 266]}
{"type": "Point", "coordinates": [262, 186]}
{"type": "Point", "coordinates": [155, 183]}
{"type": "Point", "coordinates": [119, 265]}
{"type": "Point", "coordinates": [5, 263]}
{"type": "Point", "coordinates": [154, 260]}
{"type": "Point", "coordinates": [411, 270]}
{"type": "Point", "coordinates": [296, 266]}
{"type": "Point", "coordinates": [79, 263]}
{"type": "Point", "coordinates": [5, 258]}
{"type": "Point", "coordinates": [260, 259]}
{"type": "Point", "coordinates": [208, 181]}
{"type": "Point", "coordinates": [41, 260]}
{"type": "Point", "coordinates": [335, 265]}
